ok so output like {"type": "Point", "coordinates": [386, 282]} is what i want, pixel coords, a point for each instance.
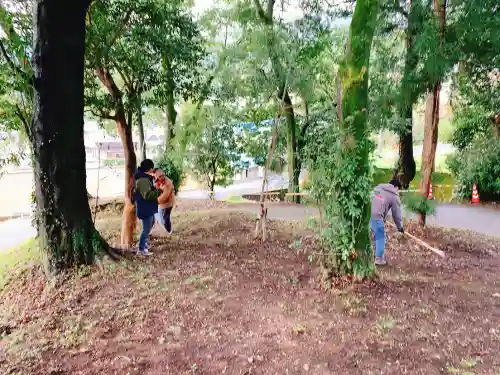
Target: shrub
{"type": "Point", "coordinates": [415, 202]}
{"type": "Point", "coordinates": [113, 162]}
{"type": "Point", "coordinates": [173, 169]}
{"type": "Point", "coordinates": [478, 164]}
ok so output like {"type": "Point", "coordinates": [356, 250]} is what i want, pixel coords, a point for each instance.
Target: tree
{"type": "Point", "coordinates": [476, 101]}
{"type": "Point", "coordinates": [181, 48]}
{"type": "Point", "coordinates": [410, 91]}
{"type": "Point", "coordinates": [266, 16]}
{"type": "Point", "coordinates": [341, 178]}
{"type": "Point", "coordinates": [65, 223]}
{"type": "Point", "coordinates": [103, 35]}
{"type": "Point", "coordinates": [126, 58]}
{"type": "Point", "coordinates": [432, 117]}
{"type": "Point", "coordinates": [212, 151]}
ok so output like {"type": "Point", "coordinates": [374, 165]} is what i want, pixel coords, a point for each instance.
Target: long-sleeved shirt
{"type": "Point", "coordinates": [385, 198]}
{"type": "Point", "coordinates": [146, 190]}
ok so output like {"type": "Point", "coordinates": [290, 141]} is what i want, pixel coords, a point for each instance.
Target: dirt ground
{"type": "Point", "coordinates": [212, 300]}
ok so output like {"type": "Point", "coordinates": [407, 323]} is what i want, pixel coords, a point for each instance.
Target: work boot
{"type": "Point", "coordinates": [380, 261]}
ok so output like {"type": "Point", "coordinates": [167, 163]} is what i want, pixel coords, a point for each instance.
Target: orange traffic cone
{"type": "Point", "coordinates": [475, 195]}
{"type": "Point", "coordinates": [430, 195]}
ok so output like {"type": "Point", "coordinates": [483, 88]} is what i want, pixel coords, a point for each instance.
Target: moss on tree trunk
{"type": "Point", "coordinates": [352, 191]}
{"type": "Point", "coordinates": [63, 213]}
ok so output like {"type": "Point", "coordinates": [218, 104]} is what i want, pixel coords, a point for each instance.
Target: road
{"type": "Point", "coordinates": [480, 219]}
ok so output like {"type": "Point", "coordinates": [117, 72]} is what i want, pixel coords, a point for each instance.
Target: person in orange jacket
{"type": "Point", "coordinates": [166, 200]}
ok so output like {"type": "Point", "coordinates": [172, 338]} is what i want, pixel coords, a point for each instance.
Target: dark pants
{"type": "Point", "coordinates": [164, 218]}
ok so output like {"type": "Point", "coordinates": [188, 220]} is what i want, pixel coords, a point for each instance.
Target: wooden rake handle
{"type": "Point", "coordinates": [424, 244]}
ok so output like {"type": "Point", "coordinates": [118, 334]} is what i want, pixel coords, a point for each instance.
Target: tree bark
{"type": "Point", "coordinates": [140, 128]}
{"type": "Point", "coordinates": [406, 164]}
{"type": "Point", "coordinates": [266, 17]}
{"type": "Point", "coordinates": [291, 140]}
{"type": "Point", "coordinates": [352, 102]}
{"type": "Point", "coordinates": [171, 112]}
{"type": "Point", "coordinates": [431, 120]}
{"type": "Point", "coordinates": [63, 213]}
{"type": "Point", "coordinates": [170, 124]}
{"type": "Point", "coordinates": [124, 130]}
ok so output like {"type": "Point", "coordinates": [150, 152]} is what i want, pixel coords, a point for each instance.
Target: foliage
{"type": "Point", "coordinates": [134, 50]}
{"type": "Point", "coordinates": [415, 202]}
{"type": "Point", "coordinates": [254, 143]}
{"type": "Point", "coordinates": [211, 153]}
{"type": "Point", "coordinates": [478, 164]}
{"type": "Point", "coordinates": [173, 170]}
{"type": "Point", "coordinates": [16, 90]}
{"type": "Point", "coordinates": [331, 169]}
{"type": "Point", "coordinates": [113, 162]}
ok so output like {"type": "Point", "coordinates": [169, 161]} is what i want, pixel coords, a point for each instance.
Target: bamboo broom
{"type": "Point", "coordinates": [423, 243]}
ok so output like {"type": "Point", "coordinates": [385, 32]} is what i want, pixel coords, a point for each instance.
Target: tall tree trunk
{"type": "Point", "coordinates": [354, 255]}
{"type": "Point", "coordinates": [171, 112]}
{"type": "Point", "coordinates": [266, 17]}
{"type": "Point", "coordinates": [170, 124]}
{"type": "Point", "coordinates": [291, 140]}
{"type": "Point", "coordinates": [406, 164]}
{"type": "Point", "coordinates": [63, 212]}
{"type": "Point", "coordinates": [140, 127]}
{"type": "Point", "coordinates": [124, 130]}
{"type": "Point", "coordinates": [431, 120]}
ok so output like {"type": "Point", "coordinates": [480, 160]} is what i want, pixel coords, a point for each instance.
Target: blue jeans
{"type": "Point", "coordinates": [378, 229]}
{"type": "Point", "coordinates": [163, 217]}
{"type": "Point", "coordinates": [147, 225]}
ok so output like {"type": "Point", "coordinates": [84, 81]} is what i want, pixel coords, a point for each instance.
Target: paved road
{"type": "Point", "coordinates": [15, 232]}
{"type": "Point", "coordinates": [479, 219]}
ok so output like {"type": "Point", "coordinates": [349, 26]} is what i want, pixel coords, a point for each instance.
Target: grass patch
{"type": "Point", "coordinates": [15, 260]}
{"type": "Point", "coordinates": [236, 199]}
{"type": "Point", "coordinates": [442, 182]}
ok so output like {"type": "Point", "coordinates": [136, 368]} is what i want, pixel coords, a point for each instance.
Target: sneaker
{"type": "Point", "coordinates": [380, 261]}
{"type": "Point", "coordinates": [144, 252]}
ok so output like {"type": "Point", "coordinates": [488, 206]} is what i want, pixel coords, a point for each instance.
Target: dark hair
{"type": "Point", "coordinates": [395, 183]}
{"type": "Point", "coordinates": [146, 165]}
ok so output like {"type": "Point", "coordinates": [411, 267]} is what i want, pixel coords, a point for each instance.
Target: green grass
{"type": "Point", "coordinates": [14, 260]}
{"type": "Point", "coordinates": [236, 199]}
{"type": "Point", "coordinates": [388, 158]}
{"type": "Point", "coordinates": [441, 193]}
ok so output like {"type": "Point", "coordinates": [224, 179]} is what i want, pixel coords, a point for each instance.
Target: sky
{"type": "Point", "coordinates": [292, 12]}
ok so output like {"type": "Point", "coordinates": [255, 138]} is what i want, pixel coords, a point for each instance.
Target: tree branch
{"type": "Point", "coordinates": [101, 114]}
{"type": "Point", "coordinates": [124, 23]}
{"type": "Point", "coordinates": [16, 69]}
{"type": "Point", "coordinates": [307, 122]}
{"type": "Point", "coordinates": [24, 121]}
{"type": "Point", "coordinates": [266, 17]}
{"type": "Point", "coordinates": [126, 78]}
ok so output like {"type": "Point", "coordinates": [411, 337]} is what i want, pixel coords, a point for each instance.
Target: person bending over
{"type": "Point", "coordinates": [146, 200]}
{"type": "Point", "coordinates": [385, 198]}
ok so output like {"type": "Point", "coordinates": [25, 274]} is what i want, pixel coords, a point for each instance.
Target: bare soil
{"type": "Point", "coordinates": [212, 300]}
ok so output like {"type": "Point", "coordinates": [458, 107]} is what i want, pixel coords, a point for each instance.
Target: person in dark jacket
{"type": "Point", "coordinates": [385, 198]}
{"type": "Point", "coordinates": [146, 201]}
